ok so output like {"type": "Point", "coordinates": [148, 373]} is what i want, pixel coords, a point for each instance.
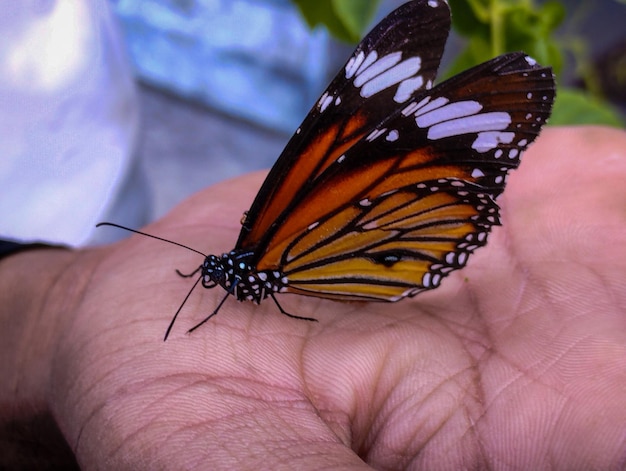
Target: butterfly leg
{"type": "Point", "coordinates": [280, 308]}
{"type": "Point", "coordinates": [179, 273]}
{"type": "Point", "coordinates": [215, 311]}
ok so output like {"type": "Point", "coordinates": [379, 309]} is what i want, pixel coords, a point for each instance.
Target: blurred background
{"type": "Point", "coordinates": [119, 109]}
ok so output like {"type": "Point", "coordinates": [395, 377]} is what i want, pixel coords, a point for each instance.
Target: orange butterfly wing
{"type": "Point", "coordinates": [403, 206]}
{"type": "Point", "coordinates": [403, 51]}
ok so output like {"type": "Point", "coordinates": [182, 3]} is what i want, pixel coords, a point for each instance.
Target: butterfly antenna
{"type": "Point", "coordinates": [282, 311]}
{"type": "Point", "coordinates": [169, 328]}
{"type": "Point", "coordinates": [148, 235]}
{"type": "Point", "coordinates": [215, 311]}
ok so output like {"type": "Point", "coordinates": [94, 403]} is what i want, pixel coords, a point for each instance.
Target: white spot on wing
{"type": "Point", "coordinates": [353, 64]}
{"type": "Point", "coordinates": [463, 255]}
{"type": "Point", "coordinates": [325, 100]}
{"type": "Point", "coordinates": [426, 280]}
{"type": "Point", "coordinates": [494, 121]}
{"type": "Point", "coordinates": [477, 173]}
{"type": "Point", "coordinates": [367, 72]}
{"type": "Point", "coordinates": [369, 60]}
{"type": "Point", "coordinates": [393, 135]}
{"type": "Point", "coordinates": [448, 112]}
{"type": "Point", "coordinates": [370, 226]}
{"type": "Point", "coordinates": [428, 105]}
{"type": "Point", "coordinates": [375, 133]}
{"type": "Point", "coordinates": [386, 76]}
{"type": "Point", "coordinates": [530, 60]}
{"type": "Point", "coordinates": [407, 88]}
{"type": "Point", "coordinates": [488, 140]}
{"type": "Point", "coordinates": [413, 107]}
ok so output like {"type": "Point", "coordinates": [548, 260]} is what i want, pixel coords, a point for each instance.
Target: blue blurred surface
{"type": "Point", "coordinates": [253, 59]}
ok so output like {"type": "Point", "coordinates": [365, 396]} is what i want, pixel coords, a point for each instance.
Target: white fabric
{"type": "Point", "coordinates": [68, 119]}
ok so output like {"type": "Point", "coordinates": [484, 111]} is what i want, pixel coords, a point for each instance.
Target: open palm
{"type": "Point", "coordinates": [517, 361]}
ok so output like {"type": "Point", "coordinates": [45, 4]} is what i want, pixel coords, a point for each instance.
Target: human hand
{"type": "Point", "coordinates": [518, 361]}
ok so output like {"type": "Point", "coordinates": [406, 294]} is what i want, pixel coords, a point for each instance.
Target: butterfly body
{"type": "Point", "coordinates": [234, 272]}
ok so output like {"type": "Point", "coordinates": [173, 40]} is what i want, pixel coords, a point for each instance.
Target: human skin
{"type": "Point", "coordinates": [517, 361]}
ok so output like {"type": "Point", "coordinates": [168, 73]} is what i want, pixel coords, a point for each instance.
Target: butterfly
{"type": "Point", "coordinates": [390, 182]}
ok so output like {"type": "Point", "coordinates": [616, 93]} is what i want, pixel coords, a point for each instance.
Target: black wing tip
{"type": "Point", "coordinates": [519, 61]}
{"type": "Point", "coordinates": [543, 77]}
{"type": "Point", "coordinates": [427, 5]}
{"type": "Point", "coordinates": [416, 15]}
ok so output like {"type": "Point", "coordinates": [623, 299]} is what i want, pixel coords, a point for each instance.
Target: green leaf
{"type": "Point", "coordinates": [574, 106]}
{"type": "Point", "coordinates": [346, 20]}
{"type": "Point", "coordinates": [356, 15]}
{"type": "Point", "coordinates": [467, 19]}
{"type": "Point", "coordinates": [321, 12]}
{"type": "Point", "coordinates": [553, 14]}
{"type": "Point", "coordinates": [510, 25]}
{"type": "Point", "coordinates": [478, 50]}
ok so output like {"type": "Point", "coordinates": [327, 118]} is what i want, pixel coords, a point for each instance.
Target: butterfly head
{"type": "Point", "coordinates": [223, 270]}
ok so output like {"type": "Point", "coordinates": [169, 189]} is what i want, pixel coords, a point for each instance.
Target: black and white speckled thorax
{"type": "Point", "coordinates": [233, 272]}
